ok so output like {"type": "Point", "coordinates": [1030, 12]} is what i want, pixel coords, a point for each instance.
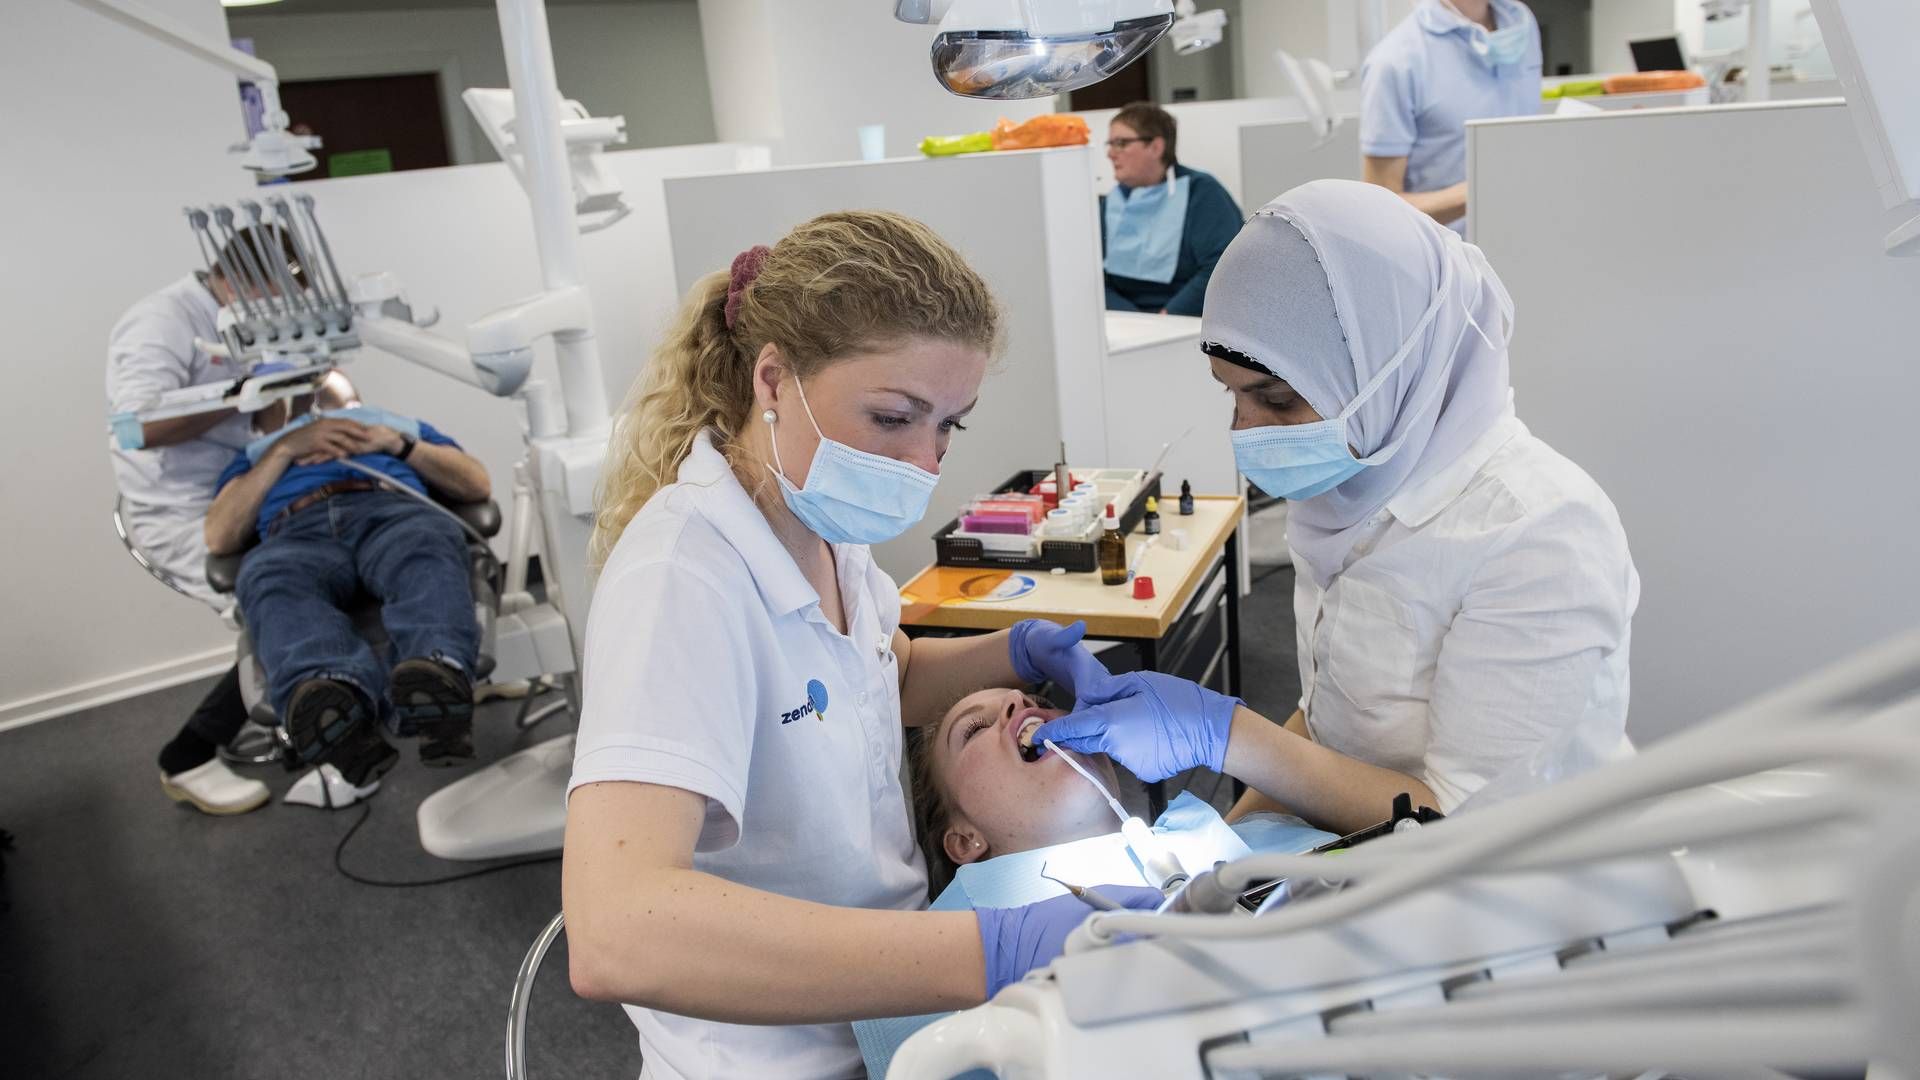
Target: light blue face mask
{"type": "Point", "coordinates": [853, 497]}
{"type": "Point", "coordinates": [1501, 47]}
{"type": "Point", "coordinates": [1299, 461]}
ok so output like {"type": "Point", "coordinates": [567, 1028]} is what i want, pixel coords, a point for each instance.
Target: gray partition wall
{"type": "Point", "coordinates": [1707, 324]}
{"type": "Point", "coordinates": [1278, 156]}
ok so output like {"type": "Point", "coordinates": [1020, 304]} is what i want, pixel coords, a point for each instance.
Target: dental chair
{"type": "Point", "coordinates": [324, 786]}
{"type": "Point", "coordinates": [523, 997]}
{"type": "Point", "coordinates": [255, 744]}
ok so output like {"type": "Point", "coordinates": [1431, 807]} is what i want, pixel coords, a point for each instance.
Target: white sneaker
{"type": "Point", "coordinates": [214, 789]}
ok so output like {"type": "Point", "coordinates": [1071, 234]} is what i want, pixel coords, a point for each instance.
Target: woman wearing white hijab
{"type": "Point", "coordinates": [1464, 593]}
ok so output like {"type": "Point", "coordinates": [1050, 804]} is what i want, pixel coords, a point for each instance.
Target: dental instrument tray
{"type": "Point", "coordinates": [1126, 486]}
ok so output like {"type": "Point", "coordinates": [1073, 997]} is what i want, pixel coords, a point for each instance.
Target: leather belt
{"type": "Point", "coordinates": [324, 492]}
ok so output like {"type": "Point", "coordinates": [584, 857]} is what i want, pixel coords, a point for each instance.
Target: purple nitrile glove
{"type": "Point", "coordinates": [1017, 940]}
{"type": "Point", "coordinates": [1156, 725]}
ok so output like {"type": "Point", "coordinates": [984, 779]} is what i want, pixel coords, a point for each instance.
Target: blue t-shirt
{"type": "Point", "coordinates": [1423, 82]}
{"type": "Point", "coordinates": [300, 479]}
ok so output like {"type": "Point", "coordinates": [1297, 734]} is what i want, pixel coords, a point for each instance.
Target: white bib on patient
{"type": "Point", "coordinates": [1190, 828]}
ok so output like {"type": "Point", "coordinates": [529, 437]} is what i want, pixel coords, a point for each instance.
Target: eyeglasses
{"type": "Point", "coordinates": [1123, 143]}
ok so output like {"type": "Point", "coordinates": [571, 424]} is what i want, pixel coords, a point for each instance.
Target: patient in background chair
{"type": "Point", "coordinates": [328, 532]}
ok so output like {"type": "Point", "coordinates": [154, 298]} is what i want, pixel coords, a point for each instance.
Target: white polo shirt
{"type": "Point", "coordinates": [1480, 626]}
{"type": "Point", "coordinates": [711, 668]}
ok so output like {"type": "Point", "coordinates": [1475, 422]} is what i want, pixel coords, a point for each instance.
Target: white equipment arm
{"type": "Point", "coordinates": [272, 152]}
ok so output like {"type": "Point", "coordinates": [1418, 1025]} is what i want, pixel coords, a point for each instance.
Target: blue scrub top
{"type": "Point", "coordinates": [1423, 82]}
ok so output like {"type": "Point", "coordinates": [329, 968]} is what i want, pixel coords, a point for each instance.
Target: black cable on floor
{"type": "Point", "coordinates": [1270, 571]}
{"type": "Point", "coordinates": [340, 851]}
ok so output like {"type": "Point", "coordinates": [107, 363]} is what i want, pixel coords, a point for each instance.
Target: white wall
{"type": "Point", "coordinates": [1326, 29]}
{"type": "Point", "coordinates": [1616, 22]}
{"type": "Point", "coordinates": [100, 217]}
{"type": "Point", "coordinates": [804, 77]}
{"type": "Point", "coordinates": [638, 60]}
{"type": "Point", "coordinates": [1025, 221]}
{"type": "Point", "coordinates": [1734, 363]}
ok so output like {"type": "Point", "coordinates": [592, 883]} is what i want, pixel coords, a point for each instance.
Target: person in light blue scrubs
{"type": "Point", "coordinates": [1449, 62]}
{"type": "Point", "coordinates": [1164, 225]}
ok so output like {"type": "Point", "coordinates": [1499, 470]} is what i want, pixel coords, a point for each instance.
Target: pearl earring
{"type": "Point", "coordinates": [769, 416]}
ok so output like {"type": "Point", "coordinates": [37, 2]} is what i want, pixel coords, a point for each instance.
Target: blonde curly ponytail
{"type": "Point", "coordinates": [841, 284]}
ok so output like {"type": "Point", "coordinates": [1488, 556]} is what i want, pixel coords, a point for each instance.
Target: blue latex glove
{"type": "Point", "coordinates": [1042, 652]}
{"type": "Point", "coordinates": [1017, 940]}
{"type": "Point", "coordinates": [1156, 725]}
{"type": "Point", "coordinates": [1038, 647]}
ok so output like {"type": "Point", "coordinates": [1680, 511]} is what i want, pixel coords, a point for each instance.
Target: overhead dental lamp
{"type": "Point", "coordinates": [1012, 49]}
{"type": "Point", "coordinates": [1195, 31]}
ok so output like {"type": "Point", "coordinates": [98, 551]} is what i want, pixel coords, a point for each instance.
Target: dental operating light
{"type": "Point", "coordinates": [1015, 49]}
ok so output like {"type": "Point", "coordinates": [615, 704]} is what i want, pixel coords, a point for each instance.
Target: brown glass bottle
{"type": "Point", "coordinates": [1112, 550]}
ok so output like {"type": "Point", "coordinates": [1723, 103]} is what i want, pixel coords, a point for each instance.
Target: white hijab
{"type": "Point", "coordinates": [1384, 263]}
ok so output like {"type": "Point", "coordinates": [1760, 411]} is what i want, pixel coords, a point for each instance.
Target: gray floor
{"type": "Point", "coordinates": [146, 939]}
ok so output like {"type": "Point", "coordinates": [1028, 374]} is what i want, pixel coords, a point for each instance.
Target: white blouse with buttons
{"type": "Point", "coordinates": [1479, 631]}
{"type": "Point", "coordinates": [711, 668]}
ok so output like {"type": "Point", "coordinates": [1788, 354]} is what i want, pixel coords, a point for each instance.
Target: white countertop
{"type": "Point", "coordinates": [1131, 330]}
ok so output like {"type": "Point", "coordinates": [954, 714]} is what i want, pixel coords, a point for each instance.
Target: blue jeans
{"type": "Point", "coordinates": [294, 588]}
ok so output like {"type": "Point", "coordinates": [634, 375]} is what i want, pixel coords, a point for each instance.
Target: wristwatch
{"type": "Point", "coordinates": [407, 443]}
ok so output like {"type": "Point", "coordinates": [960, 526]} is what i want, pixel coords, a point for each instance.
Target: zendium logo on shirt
{"type": "Point", "coordinates": [816, 704]}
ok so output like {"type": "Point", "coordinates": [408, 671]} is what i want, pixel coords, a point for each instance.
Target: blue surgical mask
{"type": "Point", "coordinates": [1299, 461]}
{"type": "Point", "coordinates": [1503, 46]}
{"type": "Point", "coordinates": [853, 497]}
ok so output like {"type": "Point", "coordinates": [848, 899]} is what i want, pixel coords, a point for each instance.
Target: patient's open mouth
{"type": "Point", "coordinates": [1028, 751]}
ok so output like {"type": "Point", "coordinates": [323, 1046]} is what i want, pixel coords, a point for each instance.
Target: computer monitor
{"type": "Point", "coordinates": [1658, 54]}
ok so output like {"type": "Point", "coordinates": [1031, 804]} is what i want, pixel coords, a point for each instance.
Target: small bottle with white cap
{"type": "Point", "coordinates": [1112, 550]}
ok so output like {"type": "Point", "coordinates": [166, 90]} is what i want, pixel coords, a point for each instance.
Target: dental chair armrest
{"type": "Point", "coordinates": [484, 515]}
{"type": "Point", "coordinates": [223, 571]}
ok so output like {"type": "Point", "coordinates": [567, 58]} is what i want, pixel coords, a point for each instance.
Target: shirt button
{"type": "Point", "coordinates": [863, 697]}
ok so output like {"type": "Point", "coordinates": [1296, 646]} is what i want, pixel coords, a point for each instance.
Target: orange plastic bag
{"type": "Point", "coordinates": [1648, 81]}
{"type": "Point", "coordinates": [1050, 129]}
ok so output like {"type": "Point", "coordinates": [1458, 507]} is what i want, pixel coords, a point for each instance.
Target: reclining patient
{"type": "Point", "coordinates": [991, 813]}
{"type": "Point", "coordinates": [979, 793]}
{"type": "Point", "coordinates": [327, 532]}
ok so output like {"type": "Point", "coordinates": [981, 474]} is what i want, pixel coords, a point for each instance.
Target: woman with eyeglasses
{"type": "Point", "coordinates": [1164, 225]}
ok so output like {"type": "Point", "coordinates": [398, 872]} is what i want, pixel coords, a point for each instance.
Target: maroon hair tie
{"type": "Point", "coordinates": [746, 267]}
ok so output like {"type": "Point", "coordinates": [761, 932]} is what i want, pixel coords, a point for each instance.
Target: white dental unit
{"type": "Point", "coordinates": [1744, 895]}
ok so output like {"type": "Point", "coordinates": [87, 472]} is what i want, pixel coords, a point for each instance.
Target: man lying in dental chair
{"type": "Point", "coordinates": [992, 815]}
{"type": "Point", "coordinates": [326, 532]}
